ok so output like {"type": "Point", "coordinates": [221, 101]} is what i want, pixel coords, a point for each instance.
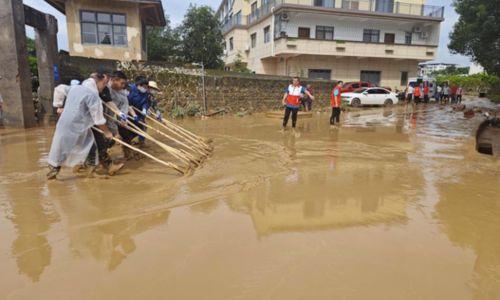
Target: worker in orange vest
{"type": "Point", "coordinates": [336, 102]}
{"type": "Point", "coordinates": [291, 100]}
{"type": "Point", "coordinates": [417, 93]}
{"type": "Point", "coordinates": [426, 93]}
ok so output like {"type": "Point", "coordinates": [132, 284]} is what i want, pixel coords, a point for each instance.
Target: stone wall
{"type": "Point", "coordinates": [256, 92]}
{"type": "Point", "coordinates": [235, 91]}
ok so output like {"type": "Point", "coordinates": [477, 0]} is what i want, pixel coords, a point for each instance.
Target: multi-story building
{"type": "Point", "coordinates": [381, 41]}
{"type": "Point", "coordinates": [427, 68]}
{"type": "Point", "coordinates": [109, 29]}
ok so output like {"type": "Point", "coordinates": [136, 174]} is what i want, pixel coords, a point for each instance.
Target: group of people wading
{"type": "Point", "coordinates": [90, 116]}
{"type": "Point", "coordinates": [296, 95]}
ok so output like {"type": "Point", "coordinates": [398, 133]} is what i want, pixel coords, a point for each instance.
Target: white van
{"type": "Point", "coordinates": [430, 81]}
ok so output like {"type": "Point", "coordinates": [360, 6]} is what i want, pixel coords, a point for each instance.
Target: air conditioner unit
{"type": "Point", "coordinates": [425, 35]}
{"type": "Point", "coordinates": [247, 48]}
{"type": "Point", "coordinates": [417, 29]}
{"type": "Point", "coordinates": [284, 17]}
{"type": "Point", "coordinates": [225, 52]}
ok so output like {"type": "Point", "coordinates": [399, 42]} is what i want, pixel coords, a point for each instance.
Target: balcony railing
{"type": "Point", "coordinates": [377, 6]}
{"type": "Point", "coordinates": [233, 22]}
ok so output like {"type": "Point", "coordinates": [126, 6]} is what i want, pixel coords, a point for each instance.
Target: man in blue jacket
{"type": "Point", "coordinates": [139, 98]}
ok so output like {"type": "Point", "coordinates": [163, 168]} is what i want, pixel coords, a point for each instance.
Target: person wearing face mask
{"type": "Point", "coordinates": [73, 138]}
{"type": "Point", "coordinates": [138, 97]}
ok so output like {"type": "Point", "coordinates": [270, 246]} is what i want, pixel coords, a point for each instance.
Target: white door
{"type": "Point", "coordinates": [371, 97]}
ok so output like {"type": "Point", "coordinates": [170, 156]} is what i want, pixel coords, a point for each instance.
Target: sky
{"type": "Point", "coordinates": [176, 9]}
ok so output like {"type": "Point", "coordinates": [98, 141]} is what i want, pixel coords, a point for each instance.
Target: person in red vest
{"type": "Point", "coordinates": [291, 100]}
{"type": "Point", "coordinates": [336, 102]}
{"type": "Point", "coordinates": [426, 93]}
{"type": "Point", "coordinates": [417, 93]}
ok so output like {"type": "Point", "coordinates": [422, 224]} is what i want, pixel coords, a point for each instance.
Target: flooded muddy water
{"type": "Point", "coordinates": [389, 206]}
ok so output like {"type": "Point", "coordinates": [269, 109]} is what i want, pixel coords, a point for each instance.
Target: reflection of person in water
{"type": "Point", "coordinates": [31, 248]}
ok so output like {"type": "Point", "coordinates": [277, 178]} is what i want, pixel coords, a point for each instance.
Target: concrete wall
{"type": "Point", "coordinates": [133, 51]}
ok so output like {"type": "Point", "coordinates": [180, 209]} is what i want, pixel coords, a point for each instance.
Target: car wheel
{"type": "Point", "coordinates": [356, 102]}
{"type": "Point", "coordinates": [388, 102]}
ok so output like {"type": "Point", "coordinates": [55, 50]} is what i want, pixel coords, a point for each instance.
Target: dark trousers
{"type": "Point", "coordinates": [459, 99]}
{"type": "Point", "coordinates": [307, 104]}
{"type": "Point", "coordinates": [100, 148]}
{"type": "Point", "coordinates": [294, 112]}
{"type": "Point", "coordinates": [426, 98]}
{"type": "Point", "coordinates": [335, 115]}
{"type": "Point", "coordinates": [128, 135]}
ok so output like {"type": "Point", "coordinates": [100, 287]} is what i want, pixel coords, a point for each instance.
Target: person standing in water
{"type": "Point", "coordinates": [73, 138]}
{"type": "Point", "coordinates": [336, 102]}
{"type": "Point", "coordinates": [291, 100]}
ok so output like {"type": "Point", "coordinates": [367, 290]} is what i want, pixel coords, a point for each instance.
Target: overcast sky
{"type": "Point", "coordinates": [176, 9]}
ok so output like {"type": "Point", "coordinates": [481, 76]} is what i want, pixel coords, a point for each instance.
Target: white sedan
{"type": "Point", "coordinates": [370, 96]}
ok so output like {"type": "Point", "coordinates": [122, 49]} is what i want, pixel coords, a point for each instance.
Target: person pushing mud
{"type": "Point", "coordinates": [291, 100]}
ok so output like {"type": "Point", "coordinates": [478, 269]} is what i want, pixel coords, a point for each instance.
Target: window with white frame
{"type": "Point", "coordinates": [103, 28]}
{"type": "Point", "coordinates": [267, 35]}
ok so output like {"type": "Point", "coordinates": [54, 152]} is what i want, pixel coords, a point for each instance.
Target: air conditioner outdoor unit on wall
{"type": "Point", "coordinates": [417, 29]}
{"type": "Point", "coordinates": [247, 48]}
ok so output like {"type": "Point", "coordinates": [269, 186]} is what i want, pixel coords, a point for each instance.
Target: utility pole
{"type": "Point", "coordinates": [203, 88]}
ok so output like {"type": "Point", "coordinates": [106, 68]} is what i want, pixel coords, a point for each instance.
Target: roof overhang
{"type": "Point", "coordinates": [151, 11]}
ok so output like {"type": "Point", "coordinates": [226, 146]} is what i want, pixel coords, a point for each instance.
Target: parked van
{"type": "Point", "coordinates": [429, 81]}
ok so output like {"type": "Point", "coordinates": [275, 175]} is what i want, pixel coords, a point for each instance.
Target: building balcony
{"type": "Point", "coordinates": [232, 23]}
{"type": "Point", "coordinates": [370, 7]}
{"type": "Point", "coordinates": [289, 47]}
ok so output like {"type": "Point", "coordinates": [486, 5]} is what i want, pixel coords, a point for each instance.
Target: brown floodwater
{"type": "Point", "coordinates": [389, 206]}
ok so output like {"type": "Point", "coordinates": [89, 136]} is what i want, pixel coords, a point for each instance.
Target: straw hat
{"type": "Point", "coordinates": [153, 85]}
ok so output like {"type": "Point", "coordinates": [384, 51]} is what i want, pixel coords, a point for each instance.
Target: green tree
{"type": "Point", "coordinates": [163, 43]}
{"type": "Point", "coordinates": [239, 65]}
{"type": "Point", "coordinates": [31, 49]}
{"type": "Point", "coordinates": [477, 32]}
{"type": "Point", "coordinates": [201, 37]}
{"type": "Point", "coordinates": [452, 70]}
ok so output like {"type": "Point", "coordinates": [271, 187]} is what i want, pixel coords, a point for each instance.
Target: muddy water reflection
{"type": "Point", "coordinates": [391, 206]}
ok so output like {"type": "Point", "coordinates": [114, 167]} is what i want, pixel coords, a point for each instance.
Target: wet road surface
{"type": "Point", "coordinates": [390, 206]}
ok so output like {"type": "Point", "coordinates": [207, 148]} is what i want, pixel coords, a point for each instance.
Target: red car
{"type": "Point", "coordinates": [352, 86]}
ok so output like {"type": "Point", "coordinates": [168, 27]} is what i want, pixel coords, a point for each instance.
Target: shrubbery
{"type": "Point", "coordinates": [473, 83]}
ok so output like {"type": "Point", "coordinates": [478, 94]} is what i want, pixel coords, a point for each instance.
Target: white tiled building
{"type": "Point", "coordinates": [382, 41]}
{"type": "Point", "coordinates": [426, 69]}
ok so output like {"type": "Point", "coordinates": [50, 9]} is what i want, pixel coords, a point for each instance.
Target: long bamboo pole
{"type": "Point", "coordinates": [166, 164]}
{"type": "Point", "coordinates": [175, 152]}
{"type": "Point", "coordinates": [191, 157]}
{"type": "Point", "coordinates": [193, 149]}
{"type": "Point", "coordinates": [172, 127]}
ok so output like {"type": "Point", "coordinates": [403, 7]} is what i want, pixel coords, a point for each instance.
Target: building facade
{"type": "Point", "coordinates": [109, 29]}
{"type": "Point", "coordinates": [381, 41]}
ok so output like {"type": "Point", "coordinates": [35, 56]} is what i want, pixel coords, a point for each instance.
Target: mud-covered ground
{"type": "Point", "coordinates": [389, 206]}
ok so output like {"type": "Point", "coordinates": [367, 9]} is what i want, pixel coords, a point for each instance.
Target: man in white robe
{"type": "Point", "coordinates": [73, 138]}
